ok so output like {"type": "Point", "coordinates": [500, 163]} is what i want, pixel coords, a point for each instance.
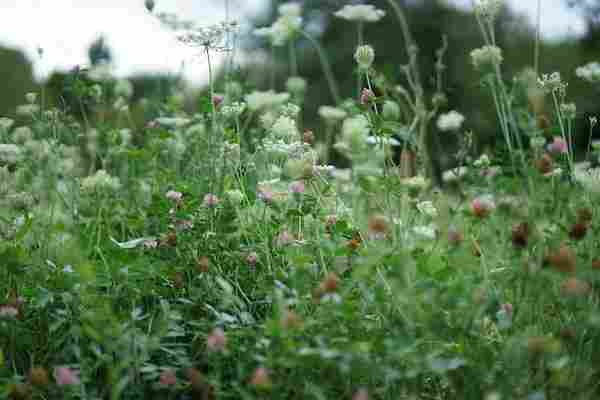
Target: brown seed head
{"type": "Point", "coordinates": [520, 234]}
{"type": "Point", "coordinates": [563, 259]}
{"type": "Point", "coordinates": [38, 376]}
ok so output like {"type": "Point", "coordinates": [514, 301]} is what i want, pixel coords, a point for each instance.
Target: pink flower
{"type": "Point", "coordinates": [210, 200]}
{"type": "Point", "coordinates": [361, 394]}
{"type": "Point", "coordinates": [216, 341]}
{"type": "Point", "coordinates": [252, 258]}
{"type": "Point", "coordinates": [168, 378]}
{"type": "Point", "coordinates": [218, 100]}
{"type": "Point", "coordinates": [260, 378]}
{"type": "Point", "coordinates": [508, 309]}
{"type": "Point", "coordinates": [558, 146]}
{"type": "Point", "coordinates": [482, 206]}
{"type": "Point", "coordinates": [366, 96]}
{"type": "Point", "coordinates": [174, 196]}
{"type": "Point", "coordinates": [284, 238]}
{"type": "Point", "coordinates": [265, 195]}
{"type": "Point", "coordinates": [297, 187]}
{"type": "Point", "coordinates": [66, 376]}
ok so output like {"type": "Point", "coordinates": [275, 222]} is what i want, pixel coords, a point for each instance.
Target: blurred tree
{"type": "Point", "coordinates": [17, 77]}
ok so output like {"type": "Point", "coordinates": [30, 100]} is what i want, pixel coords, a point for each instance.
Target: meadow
{"type": "Point", "coordinates": [221, 254]}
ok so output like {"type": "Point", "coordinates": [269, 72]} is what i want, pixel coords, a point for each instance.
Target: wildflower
{"type": "Point", "coordinates": [284, 238]}
{"type": "Point", "coordinates": [558, 146]}
{"type": "Point", "coordinates": [296, 85]}
{"type": "Point", "coordinates": [168, 378]}
{"type": "Point", "coordinates": [101, 180]}
{"type": "Point", "coordinates": [290, 110]}
{"type": "Point", "coordinates": [426, 231]}
{"type": "Point", "coordinates": [486, 57]}
{"type": "Point", "coordinates": [284, 128]}
{"type": "Point", "coordinates": [455, 237]}
{"type": "Point", "coordinates": [330, 283]}
{"type": "Point", "coordinates": [174, 196]}
{"type": "Point", "coordinates": [252, 258]}
{"type": "Point", "coordinates": [10, 154]}
{"type": "Point", "coordinates": [575, 287]}
{"type": "Point", "coordinates": [563, 259]}
{"type": "Point", "coordinates": [361, 394]}
{"type": "Point", "coordinates": [297, 187]}
{"type": "Point", "coordinates": [217, 100]}
{"type": "Point", "coordinates": [366, 96]}
{"type": "Point", "coordinates": [537, 142]}
{"type": "Point", "coordinates": [482, 206]}
{"type": "Point", "coordinates": [378, 226]}
{"type": "Point", "coordinates": [38, 376]}
{"type": "Point", "coordinates": [488, 9]}
{"type": "Point", "coordinates": [290, 320]}
{"type": "Point", "coordinates": [360, 13]}
{"type": "Point", "coordinates": [482, 162]}
{"type": "Point", "coordinates": [235, 196]}
{"type": "Point", "coordinates": [283, 29]}
{"type": "Point", "coordinates": [364, 56]}
{"type": "Point", "coordinates": [568, 110]}
{"type": "Point", "coordinates": [332, 114]}
{"type": "Point", "coordinates": [427, 208]}
{"type": "Point", "coordinates": [391, 110]}
{"type": "Point", "coordinates": [264, 100]}
{"type": "Point", "coordinates": [308, 137]}
{"type": "Point", "coordinates": [578, 231]}
{"type": "Point", "coordinates": [260, 378]}
{"type": "Point", "coordinates": [589, 72]}
{"type": "Point", "coordinates": [520, 234]}
{"type": "Point", "coordinates": [552, 82]}
{"type": "Point", "coordinates": [210, 200]}
{"type": "Point", "coordinates": [233, 110]}
{"type": "Point", "coordinates": [451, 121]}
{"type": "Point", "coordinates": [265, 195]}
{"type": "Point", "coordinates": [150, 244]}
{"type": "Point", "coordinates": [6, 123]}
{"type": "Point", "coordinates": [216, 341]}
{"type": "Point", "coordinates": [65, 376]}
{"type": "Point", "coordinates": [8, 311]}
{"type": "Point", "coordinates": [545, 164]}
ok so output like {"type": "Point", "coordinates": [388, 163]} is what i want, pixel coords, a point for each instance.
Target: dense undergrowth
{"type": "Point", "coordinates": [218, 255]}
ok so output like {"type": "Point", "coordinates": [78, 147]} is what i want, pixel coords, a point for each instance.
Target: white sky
{"type": "Point", "coordinates": [65, 29]}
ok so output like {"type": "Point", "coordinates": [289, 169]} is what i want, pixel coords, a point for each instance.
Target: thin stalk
{"type": "Point", "coordinates": [293, 60]}
{"type": "Point", "coordinates": [333, 87]}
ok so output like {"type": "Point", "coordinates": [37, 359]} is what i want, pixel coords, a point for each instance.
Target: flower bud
{"type": "Point", "coordinates": [364, 56]}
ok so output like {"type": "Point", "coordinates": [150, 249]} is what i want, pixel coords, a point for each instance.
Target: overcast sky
{"type": "Point", "coordinates": [65, 29]}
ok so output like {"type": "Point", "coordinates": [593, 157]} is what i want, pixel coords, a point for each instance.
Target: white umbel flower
{"type": "Point", "coordinates": [101, 180]}
{"type": "Point", "coordinates": [589, 72]}
{"type": "Point", "coordinates": [296, 85]}
{"type": "Point", "coordinates": [360, 13]}
{"type": "Point", "coordinates": [285, 128]}
{"type": "Point", "coordinates": [263, 100]}
{"type": "Point", "coordinates": [364, 56]}
{"type": "Point", "coordinates": [552, 82]}
{"type": "Point", "coordinates": [486, 56]}
{"type": "Point", "coordinates": [332, 114]}
{"type": "Point", "coordinates": [488, 9]}
{"type": "Point", "coordinates": [451, 121]}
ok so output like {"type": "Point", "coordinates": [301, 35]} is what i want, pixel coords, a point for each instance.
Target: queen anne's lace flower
{"type": "Point", "coordinates": [332, 114]}
{"type": "Point", "coordinates": [486, 56]}
{"type": "Point", "coordinates": [263, 100]}
{"type": "Point", "coordinates": [590, 72]}
{"type": "Point", "coordinates": [451, 121]}
{"type": "Point", "coordinates": [101, 180]}
{"type": "Point", "coordinates": [284, 128]}
{"type": "Point", "coordinates": [360, 13]}
{"type": "Point", "coordinates": [488, 9]}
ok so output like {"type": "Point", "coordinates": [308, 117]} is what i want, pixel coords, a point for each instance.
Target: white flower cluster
{"type": "Point", "coordinates": [360, 13]}
{"type": "Point", "coordinates": [173, 122]}
{"type": "Point", "coordinates": [590, 72]}
{"type": "Point", "coordinates": [284, 128]}
{"type": "Point", "coordinates": [296, 85]}
{"type": "Point", "coordinates": [332, 114]}
{"type": "Point", "coordinates": [101, 180]}
{"type": "Point", "coordinates": [10, 154]}
{"type": "Point", "coordinates": [6, 123]}
{"type": "Point", "coordinates": [234, 110]}
{"type": "Point", "coordinates": [286, 27]}
{"type": "Point", "coordinates": [552, 82]}
{"type": "Point", "coordinates": [488, 9]}
{"type": "Point", "coordinates": [279, 148]}
{"type": "Point", "coordinates": [264, 100]}
{"type": "Point", "coordinates": [486, 56]}
{"type": "Point", "coordinates": [451, 121]}
{"type": "Point", "coordinates": [290, 110]}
